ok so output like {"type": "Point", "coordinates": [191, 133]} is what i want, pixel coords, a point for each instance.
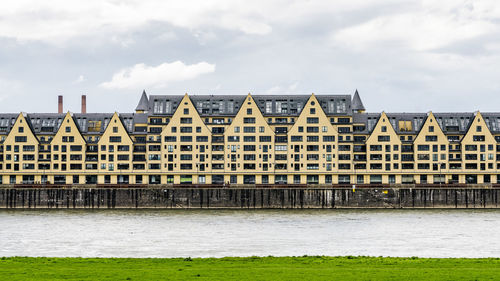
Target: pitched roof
{"type": "Point", "coordinates": [357, 104]}
{"type": "Point", "coordinates": [143, 103]}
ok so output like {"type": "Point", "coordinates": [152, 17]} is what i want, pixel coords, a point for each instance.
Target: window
{"type": "Point", "coordinates": [327, 139]}
{"type": "Point", "coordinates": [20, 139]}
{"type": "Point", "coordinates": [280, 147]}
{"type": "Point", "coordinates": [383, 128]}
{"type": "Point", "coordinates": [312, 120]}
{"type": "Point", "coordinates": [478, 138]}
{"type": "Point", "coordinates": [249, 120]}
{"type": "Point", "coordinates": [186, 129]}
{"type": "Point", "coordinates": [312, 111]}
{"type": "Point", "coordinates": [202, 138]}
{"type": "Point", "coordinates": [264, 138]}
{"type": "Point", "coordinates": [186, 111]}
{"type": "Point", "coordinates": [249, 138]}
{"type": "Point", "coordinates": [431, 138]}
{"type": "Point", "coordinates": [384, 138]}
{"type": "Point", "coordinates": [249, 129]}
{"type": "Point", "coordinates": [21, 129]}
{"type": "Point", "coordinates": [269, 107]}
{"type": "Point", "coordinates": [312, 129]}
{"type": "Point", "coordinates": [68, 129]}
{"type": "Point", "coordinates": [186, 120]}
{"type": "Point", "coordinates": [249, 111]}
{"type": "Point", "coordinates": [423, 147]}
{"type": "Point", "coordinates": [249, 148]}
{"type": "Point", "coordinates": [478, 129]}
{"type": "Point", "coordinates": [237, 129]}
{"type": "Point", "coordinates": [115, 129]}
{"type": "Point", "coordinates": [115, 139]}
{"type": "Point", "coordinates": [431, 129]}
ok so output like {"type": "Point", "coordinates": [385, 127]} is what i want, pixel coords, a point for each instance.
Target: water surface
{"type": "Point", "coordinates": [219, 233]}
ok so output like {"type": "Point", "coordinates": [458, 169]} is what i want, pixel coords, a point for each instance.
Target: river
{"type": "Point", "coordinates": [220, 233]}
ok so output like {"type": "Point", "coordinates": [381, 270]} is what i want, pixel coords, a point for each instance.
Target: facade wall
{"type": "Point", "coordinates": [249, 146]}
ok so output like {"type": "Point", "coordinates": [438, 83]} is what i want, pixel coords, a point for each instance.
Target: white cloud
{"type": "Point", "coordinates": [436, 24]}
{"type": "Point", "coordinates": [142, 76]}
{"type": "Point", "coordinates": [55, 21]}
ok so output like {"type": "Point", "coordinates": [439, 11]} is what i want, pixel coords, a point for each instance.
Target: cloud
{"type": "Point", "coordinates": [142, 76]}
{"type": "Point", "coordinates": [435, 25]}
{"type": "Point", "coordinates": [56, 21]}
{"type": "Point", "coordinates": [80, 79]}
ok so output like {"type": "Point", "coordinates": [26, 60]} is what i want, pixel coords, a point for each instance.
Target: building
{"type": "Point", "coordinates": [249, 139]}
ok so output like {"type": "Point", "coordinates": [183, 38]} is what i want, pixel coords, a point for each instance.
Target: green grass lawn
{"type": "Point", "coordinates": [251, 268]}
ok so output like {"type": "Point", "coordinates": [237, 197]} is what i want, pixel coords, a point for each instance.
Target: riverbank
{"type": "Point", "coordinates": [247, 198]}
{"type": "Point", "coordinates": [251, 268]}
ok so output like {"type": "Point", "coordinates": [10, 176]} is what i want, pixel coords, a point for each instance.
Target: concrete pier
{"type": "Point", "coordinates": [246, 198]}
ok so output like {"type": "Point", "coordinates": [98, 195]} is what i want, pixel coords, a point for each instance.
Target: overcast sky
{"type": "Point", "coordinates": [402, 55]}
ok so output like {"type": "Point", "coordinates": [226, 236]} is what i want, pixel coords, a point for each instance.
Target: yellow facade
{"type": "Point", "coordinates": [283, 140]}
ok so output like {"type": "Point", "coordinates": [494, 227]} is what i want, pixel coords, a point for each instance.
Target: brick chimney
{"type": "Point", "coordinates": [84, 104]}
{"type": "Point", "coordinates": [60, 104]}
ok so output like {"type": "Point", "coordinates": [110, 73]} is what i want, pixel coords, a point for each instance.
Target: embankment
{"type": "Point", "coordinates": [246, 198]}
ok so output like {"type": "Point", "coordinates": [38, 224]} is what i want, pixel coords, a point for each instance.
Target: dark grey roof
{"type": "Point", "coordinates": [270, 105]}
{"type": "Point", "coordinates": [454, 122]}
{"type": "Point", "coordinates": [217, 105]}
{"type": "Point", "coordinates": [7, 120]}
{"type": "Point", "coordinates": [357, 104]}
{"type": "Point", "coordinates": [450, 123]}
{"type": "Point", "coordinates": [274, 105]}
{"type": "Point", "coordinates": [143, 102]}
{"type": "Point", "coordinates": [492, 120]}
{"type": "Point", "coordinates": [163, 104]}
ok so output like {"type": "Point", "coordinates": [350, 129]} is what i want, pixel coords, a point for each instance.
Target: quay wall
{"type": "Point", "coordinates": [246, 198]}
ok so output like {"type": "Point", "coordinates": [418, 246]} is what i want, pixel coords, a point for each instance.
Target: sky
{"type": "Point", "coordinates": [401, 55]}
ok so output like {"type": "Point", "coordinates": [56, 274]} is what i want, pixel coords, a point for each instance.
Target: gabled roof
{"type": "Point", "coordinates": [269, 105]}
{"type": "Point", "coordinates": [143, 102]}
{"type": "Point", "coordinates": [357, 104]}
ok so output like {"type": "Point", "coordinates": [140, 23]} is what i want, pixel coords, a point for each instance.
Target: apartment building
{"type": "Point", "coordinates": [249, 139]}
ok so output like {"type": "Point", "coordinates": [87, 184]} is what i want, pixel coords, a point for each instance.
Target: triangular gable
{"type": "Point", "coordinates": [238, 120]}
{"type": "Point", "coordinates": [313, 103]}
{"type": "Point", "coordinates": [69, 121]}
{"type": "Point", "coordinates": [478, 120]}
{"type": "Point", "coordinates": [429, 121]}
{"type": "Point", "coordinates": [21, 121]}
{"type": "Point", "coordinates": [377, 130]}
{"type": "Point", "coordinates": [175, 120]}
{"type": "Point", "coordinates": [120, 130]}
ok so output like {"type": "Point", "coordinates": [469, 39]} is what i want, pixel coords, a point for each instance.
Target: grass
{"type": "Point", "coordinates": [250, 268]}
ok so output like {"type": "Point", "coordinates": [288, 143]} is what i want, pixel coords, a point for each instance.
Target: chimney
{"type": "Point", "coordinates": [60, 104]}
{"type": "Point", "coordinates": [84, 104]}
